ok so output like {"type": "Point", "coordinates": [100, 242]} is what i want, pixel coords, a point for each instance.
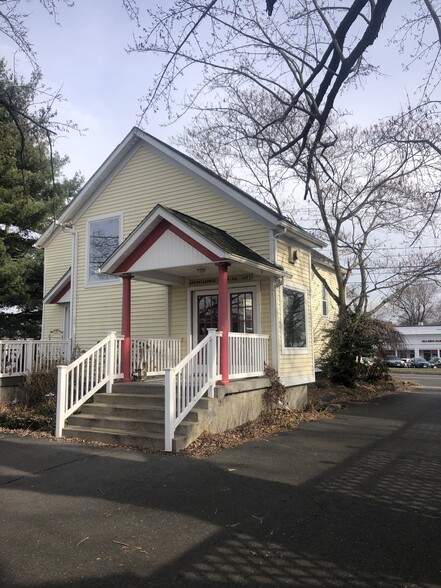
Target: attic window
{"type": "Point", "coordinates": [103, 237]}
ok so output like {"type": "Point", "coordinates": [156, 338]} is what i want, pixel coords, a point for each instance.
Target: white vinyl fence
{"type": "Point", "coordinates": [152, 356]}
{"type": "Point", "coordinates": [78, 381]}
{"type": "Point", "coordinates": [20, 357]}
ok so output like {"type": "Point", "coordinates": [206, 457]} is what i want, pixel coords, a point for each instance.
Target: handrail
{"type": "Point", "coordinates": [188, 381]}
{"type": "Point", "coordinates": [78, 381]}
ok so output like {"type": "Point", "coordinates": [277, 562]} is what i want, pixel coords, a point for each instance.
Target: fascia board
{"type": "Point", "coordinates": [260, 266]}
{"type": "Point", "coordinates": [58, 286]}
{"type": "Point", "coordinates": [301, 236]}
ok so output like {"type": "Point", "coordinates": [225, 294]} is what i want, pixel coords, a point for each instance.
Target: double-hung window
{"type": "Point", "coordinates": [324, 301]}
{"type": "Point", "coordinates": [103, 237]}
{"type": "Point", "coordinates": [294, 319]}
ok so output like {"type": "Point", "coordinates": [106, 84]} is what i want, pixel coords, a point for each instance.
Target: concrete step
{"type": "Point", "coordinates": [132, 399]}
{"type": "Point", "coordinates": [133, 412]}
{"type": "Point", "coordinates": [154, 441]}
{"type": "Point", "coordinates": [126, 399]}
{"type": "Point", "coordinates": [141, 426]}
{"type": "Point", "coordinates": [154, 387]}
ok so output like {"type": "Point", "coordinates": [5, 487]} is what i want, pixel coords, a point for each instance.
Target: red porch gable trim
{"type": "Point", "coordinates": [143, 247]}
{"type": "Point", "coordinates": [60, 294]}
{"type": "Point", "coordinates": [157, 232]}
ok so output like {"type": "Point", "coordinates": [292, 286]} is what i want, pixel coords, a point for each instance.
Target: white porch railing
{"type": "Point", "coordinates": [197, 373]}
{"type": "Point", "coordinates": [247, 354]}
{"type": "Point", "coordinates": [152, 356]}
{"type": "Point", "coordinates": [77, 382]}
{"type": "Point", "coordinates": [187, 382]}
{"type": "Point", "coordinates": [19, 357]}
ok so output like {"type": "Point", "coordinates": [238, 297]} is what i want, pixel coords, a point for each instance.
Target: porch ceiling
{"type": "Point", "coordinates": [168, 247]}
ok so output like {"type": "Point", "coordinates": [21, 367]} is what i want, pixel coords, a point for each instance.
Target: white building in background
{"type": "Point", "coordinates": [421, 341]}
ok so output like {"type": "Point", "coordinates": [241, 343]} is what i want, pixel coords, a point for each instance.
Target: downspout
{"type": "Point", "coordinates": [73, 286]}
{"type": "Point", "coordinates": [274, 300]}
{"type": "Point", "coordinates": [311, 310]}
{"type": "Point", "coordinates": [43, 305]}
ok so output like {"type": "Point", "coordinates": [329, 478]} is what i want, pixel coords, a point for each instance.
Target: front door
{"type": "Point", "coordinates": [241, 312]}
{"type": "Point", "coordinates": [206, 314]}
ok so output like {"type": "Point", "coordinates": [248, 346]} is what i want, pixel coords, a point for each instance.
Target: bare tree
{"type": "Point", "coordinates": [43, 117]}
{"type": "Point", "coordinates": [419, 304]}
{"type": "Point", "coordinates": [302, 57]}
{"type": "Point", "coordinates": [361, 188]}
{"type": "Point", "coordinates": [266, 97]}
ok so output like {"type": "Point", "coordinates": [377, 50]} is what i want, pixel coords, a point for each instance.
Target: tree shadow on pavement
{"type": "Point", "coordinates": [350, 502]}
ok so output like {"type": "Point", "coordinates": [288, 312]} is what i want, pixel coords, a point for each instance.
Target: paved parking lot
{"type": "Point", "coordinates": [352, 501]}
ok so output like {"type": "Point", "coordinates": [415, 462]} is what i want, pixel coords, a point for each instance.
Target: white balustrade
{"type": "Point", "coordinates": [198, 372]}
{"type": "Point", "coordinates": [19, 357]}
{"type": "Point", "coordinates": [247, 355]}
{"type": "Point", "coordinates": [152, 356]}
{"type": "Point", "coordinates": [186, 383]}
{"type": "Point", "coordinates": [77, 382]}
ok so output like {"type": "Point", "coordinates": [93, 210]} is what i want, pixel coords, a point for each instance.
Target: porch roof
{"type": "Point", "coordinates": [168, 246]}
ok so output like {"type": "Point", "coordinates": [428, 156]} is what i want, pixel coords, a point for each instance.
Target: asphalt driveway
{"type": "Point", "coordinates": [353, 501]}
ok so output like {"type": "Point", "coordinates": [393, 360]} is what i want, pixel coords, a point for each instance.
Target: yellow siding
{"type": "Point", "coordinates": [145, 181]}
{"type": "Point", "coordinates": [301, 363]}
{"type": "Point", "coordinates": [179, 315]}
{"type": "Point", "coordinates": [53, 317]}
{"type": "Point", "coordinates": [320, 322]}
{"type": "Point", "coordinates": [57, 260]}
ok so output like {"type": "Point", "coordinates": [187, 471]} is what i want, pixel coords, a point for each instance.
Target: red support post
{"type": "Point", "coordinates": [125, 327]}
{"type": "Point", "coordinates": [223, 321]}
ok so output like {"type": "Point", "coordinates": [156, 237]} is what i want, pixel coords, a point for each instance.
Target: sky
{"type": "Point", "coordinates": [85, 57]}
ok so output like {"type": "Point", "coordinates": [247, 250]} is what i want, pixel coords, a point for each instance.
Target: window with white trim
{"type": "Point", "coordinates": [103, 238]}
{"type": "Point", "coordinates": [294, 319]}
{"type": "Point", "coordinates": [324, 301]}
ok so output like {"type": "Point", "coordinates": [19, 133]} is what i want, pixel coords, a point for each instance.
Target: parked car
{"type": "Point", "coordinates": [419, 362]}
{"type": "Point", "coordinates": [395, 361]}
{"type": "Point", "coordinates": [436, 362]}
